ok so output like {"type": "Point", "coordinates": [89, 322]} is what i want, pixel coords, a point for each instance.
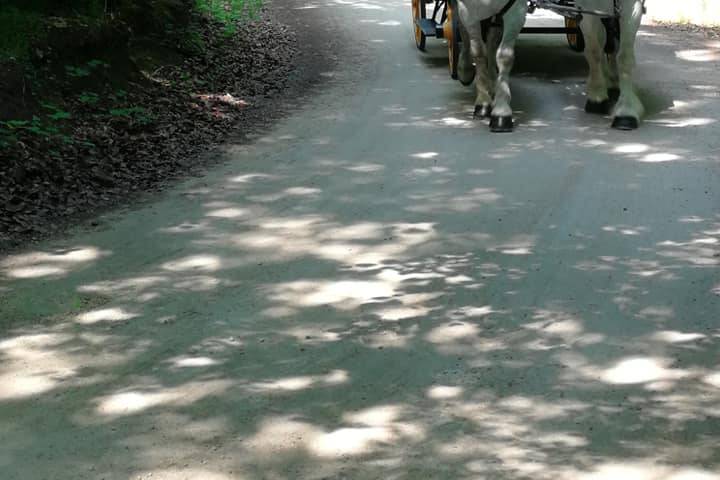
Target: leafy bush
{"type": "Point", "coordinates": [21, 21]}
{"type": "Point", "coordinates": [18, 30]}
{"type": "Point", "coordinates": [86, 8]}
{"type": "Point", "coordinates": [229, 11]}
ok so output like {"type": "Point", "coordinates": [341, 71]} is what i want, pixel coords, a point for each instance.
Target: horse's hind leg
{"type": "Point", "coordinates": [513, 21]}
{"type": "Point", "coordinates": [483, 81]}
{"type": "Point", "coordinates": [612, 27]}
{"type": "Point", "coordinates": [494, 37]}
{"type": "Point", "coordinates": [466, 70]}
{"type": "Point", "coordinates": [629, 108]}
{"type": "Point", "coordinates": [613, 78]}
{"type": "Point", "coordinates": [597, 84]}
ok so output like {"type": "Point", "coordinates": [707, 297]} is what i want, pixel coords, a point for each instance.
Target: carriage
{"type": "Point", "coordinates": [609, 25]}
{"type": "Point", "coordinates": [440, 21]}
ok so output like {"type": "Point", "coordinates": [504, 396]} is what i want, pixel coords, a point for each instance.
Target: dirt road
{"type": "Point", "coordinates": [381, 289]}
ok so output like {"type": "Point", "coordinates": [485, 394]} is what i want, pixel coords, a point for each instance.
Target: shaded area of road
{"type": "Point", "coordinates": [379, 288]}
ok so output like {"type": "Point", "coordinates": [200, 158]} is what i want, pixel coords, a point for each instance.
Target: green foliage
{"type": "Point", "coordinates": [84, 70]}
{"type": "Point", "coordinates": [60, 115]}
{"type": "Point", "coordinates": [57, 112]}
{"type": "Point", "coordinates": [21, 21]}
{"type": "Point", "coordinates": [89, 98]}
{"type": "Point", "coordinates": [192, 42]}
{"type": "Point", "coordinates": [229, 11]}
{"type": "Point", "coordinates": [43, 127]}
{"type": "Point", "coordinates": [137, 114]}
{"type": "Point", "coordinates": [35, 126]}
{"type": "Point", "coordinates": [16, 124]}
{"type": "Point", "coordinates": [18, 28]}
{"type": "Point", "coordinates": [118, 95]}
{"type": "Point", "coordinates": [97, 63]}
{"type": "Point", "coordinates": [84, 8]}
{"type": "Point", "coordinates": [77, 72]}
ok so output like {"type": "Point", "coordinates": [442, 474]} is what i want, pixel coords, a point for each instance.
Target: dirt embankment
{"type": "Point", "coordinates": [96, 120]}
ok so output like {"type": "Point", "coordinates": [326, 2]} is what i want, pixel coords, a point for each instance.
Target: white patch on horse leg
{"type": "Point", "coordinates": [595, 37]}
{"type": "Point", "coordinates": [629, 104]}
{"type": "Point", "coordinates": [514, 20]}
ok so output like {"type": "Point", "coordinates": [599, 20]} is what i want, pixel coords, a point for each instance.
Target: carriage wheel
{"type": "Point", "coordinates": [451, 33]}
{"type": "Point", "coordinates": [418, 13]}
{"type": "Point", "coordinates": [575, 40]}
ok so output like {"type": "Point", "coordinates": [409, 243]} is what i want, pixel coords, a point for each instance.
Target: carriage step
{"type": "Point", "coordinates": [429, 27]}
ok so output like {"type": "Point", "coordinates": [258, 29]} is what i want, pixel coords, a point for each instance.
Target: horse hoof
{"type": "Point", "coordinates": [625, 123]}
{"type": "Point", "coordinates": [466, 81]}
{"type": "Point", "coordinates": [501, 124]}
{"type": "Point", "coordinates": [598, 108]}
{"type": "Point", "coordinates": [482, 111]}
{"type": "Point", "coordinates": [614, 94]}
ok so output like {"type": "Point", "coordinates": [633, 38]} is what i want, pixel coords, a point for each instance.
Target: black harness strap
{"type": "Point", "coordinates": [505, 9]}
{"type": "Point", "coordinates": [497, 19]}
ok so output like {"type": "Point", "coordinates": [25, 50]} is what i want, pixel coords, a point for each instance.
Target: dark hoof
{"type": "Point", "coordinates": [482, 111]}
{"type": "Point", "coordinates": [501, 124]}
{"type": "Point", "coordinates": [614, 94]}
{"type": "Point", "coordinates": [598, 108]}
{"type": "Point", "coordinates": [625, 123]}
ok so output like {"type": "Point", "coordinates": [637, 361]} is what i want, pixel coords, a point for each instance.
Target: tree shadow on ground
{"type": "Point", "coordinates": [438, 313]}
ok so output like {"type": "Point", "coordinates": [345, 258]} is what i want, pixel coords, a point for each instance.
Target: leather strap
{"type": "Point", "coordinates": [507, 7]}
{"type": "Point", "coordinates": [497, 19]}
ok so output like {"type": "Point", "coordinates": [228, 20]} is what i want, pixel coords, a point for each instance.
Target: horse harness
{"type": "Point", "coordinates": [569, 8]}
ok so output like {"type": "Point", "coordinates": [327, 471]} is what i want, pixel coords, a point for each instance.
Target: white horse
{"type": "Point", "coordinates": [611, 69]}
{"type": "Point", "coordinates": [489, 31]}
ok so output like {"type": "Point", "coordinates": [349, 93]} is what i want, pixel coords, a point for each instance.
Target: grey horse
{"type": "Point", "coordinates": [490, 29]}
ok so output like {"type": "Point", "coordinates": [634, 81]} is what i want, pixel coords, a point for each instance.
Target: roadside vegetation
{"type": "Point", "coordinates": [24, 22]}
{"type": "Point", "coordinates": [101, 98]}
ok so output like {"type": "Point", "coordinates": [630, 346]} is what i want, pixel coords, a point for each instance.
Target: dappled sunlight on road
{"type": "Point", "coordinates": [378, 288]}
{"type": "Point", "coordinates": [369, 5]}
{"type": "Point", "coordinates": [135, 401]}
{"type": "Point", "coordinates": [50, 264]}
{"type": "Point", "coordinates": [648, 470]}
{"type": "Point", "coordinates": [364, 432]}
{"type": "Point", "coordinates": [104, 315]}
{"type": "Point", "coordinates": [35, 363]}
{"type": "Point", "coordinates": [705, 55]}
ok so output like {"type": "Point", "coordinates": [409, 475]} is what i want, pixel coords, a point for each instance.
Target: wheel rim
{"type": "Point", "coordinates": [449, 35]}
{"type": "Point", "coordinates": [572, 37]}
{"type": "Point", "coordinates": [417, 13]}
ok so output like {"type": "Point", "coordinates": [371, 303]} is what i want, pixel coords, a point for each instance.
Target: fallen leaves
{"type": "Point", "coordinates": [115, 142]}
